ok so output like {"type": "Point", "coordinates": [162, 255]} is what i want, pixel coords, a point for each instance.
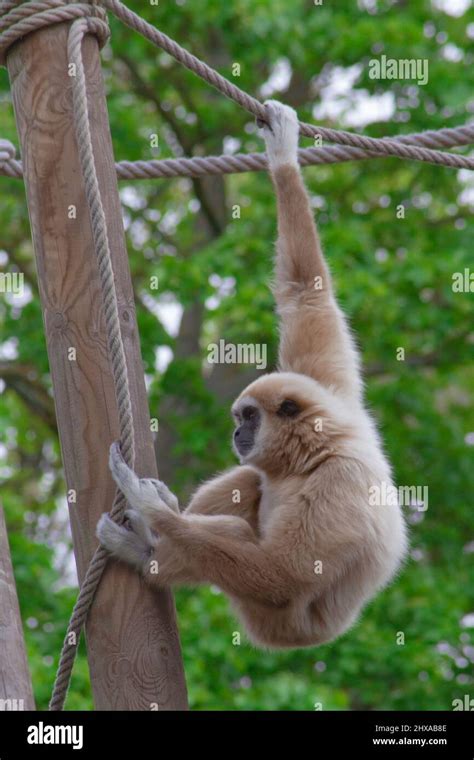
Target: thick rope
{"type": "Point", "coordinates": [200, 166]}
{"type": "Point", "coordinates": [116, 350]}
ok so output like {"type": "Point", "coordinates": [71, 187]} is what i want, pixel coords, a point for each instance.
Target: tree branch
{"type": "Point", "coordinates": [23, 380]}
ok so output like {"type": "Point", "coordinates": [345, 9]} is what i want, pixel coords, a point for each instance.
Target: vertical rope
{"type": "Point", "coordinates": [115, 346]}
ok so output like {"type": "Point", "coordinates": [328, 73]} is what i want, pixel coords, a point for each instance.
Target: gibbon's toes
{"type": "Point", "coordinates": [281, 136]}
{"type": "Point", "coordinates": [139, 526]}
{"type": "Point", "coordinates": [116, 462]}
{"type": "Point", "coordinates": [109, 533]}
{"type": "Point", "coordinates": [126, 545]}
{"type": "Point", "coordinates": [166, 495]}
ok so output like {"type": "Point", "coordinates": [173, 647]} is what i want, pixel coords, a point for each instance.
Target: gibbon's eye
{"type": "Point", "coordinates": [288, 408]}
{"type": "Point", "coordinates": [249, 412]}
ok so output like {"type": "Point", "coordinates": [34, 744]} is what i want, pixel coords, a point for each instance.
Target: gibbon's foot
{"type": "Point", "coordinates": [281, 134]}
{"type": "Point", "coordinates": [133, 546]}
{"type": "Point", "coordinates": [139, 526]}
{"type": "Point", "coordinates": [148, 495]}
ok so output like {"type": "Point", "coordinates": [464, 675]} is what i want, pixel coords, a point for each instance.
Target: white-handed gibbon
{"type": "Point", "coordinates": [291, 535]}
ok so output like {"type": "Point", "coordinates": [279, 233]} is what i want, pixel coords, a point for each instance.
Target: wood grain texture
{"type": "Point", "coordinates": [15, 681]}
{"type": "Point", "coordinates": [132, 641]}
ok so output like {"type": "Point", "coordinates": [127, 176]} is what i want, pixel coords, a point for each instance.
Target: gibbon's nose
{"type": "Point", "coordinates": [243, 440]}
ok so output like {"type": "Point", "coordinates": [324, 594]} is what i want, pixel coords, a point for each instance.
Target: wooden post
{"type": "Point", "coordinates": [132, 641]}
{"type": "Point", "coordinates": [15, 682]}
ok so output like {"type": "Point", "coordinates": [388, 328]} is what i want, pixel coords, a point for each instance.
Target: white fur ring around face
{"type": "Point", "coordinates": [281, 136]}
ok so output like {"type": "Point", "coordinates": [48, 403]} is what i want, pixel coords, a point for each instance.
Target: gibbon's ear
{"type": "Point", "coordinates": [288, 408]}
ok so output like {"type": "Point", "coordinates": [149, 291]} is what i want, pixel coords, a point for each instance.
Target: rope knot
{"type": "Point", "coordinates": [18, 19]}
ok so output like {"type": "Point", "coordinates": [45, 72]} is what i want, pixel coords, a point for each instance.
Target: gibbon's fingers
{"type": "Point", "coordinates": [281, 137]}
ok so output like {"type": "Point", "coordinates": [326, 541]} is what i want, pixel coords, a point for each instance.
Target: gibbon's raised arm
{"type": "Point", "coordinates": [314, 337]}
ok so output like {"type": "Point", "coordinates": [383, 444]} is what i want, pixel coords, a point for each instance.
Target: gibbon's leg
{"type": "Point", "coordinates": [220, 549]}
{"type": "Point", "coordinates": [314, 337]}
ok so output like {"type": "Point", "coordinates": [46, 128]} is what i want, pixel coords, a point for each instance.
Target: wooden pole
{"type": "Point", "coordinates": [16, 692]}
{"type": "Point", "coordinates": [132, 641]}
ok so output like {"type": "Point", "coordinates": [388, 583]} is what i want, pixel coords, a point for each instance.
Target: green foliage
{"type": "Point", "coordinates": [393, 276]}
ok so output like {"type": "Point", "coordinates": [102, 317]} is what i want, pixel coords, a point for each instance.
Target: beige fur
{"type": "Point", "coordinates": [290, 535]}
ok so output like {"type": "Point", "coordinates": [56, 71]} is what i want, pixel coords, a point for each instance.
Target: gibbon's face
{"type": "Point", "coordinates": [284, 421]}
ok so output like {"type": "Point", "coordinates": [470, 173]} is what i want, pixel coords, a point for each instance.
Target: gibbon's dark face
{"type": "Point", "coordinates": [248, 418]}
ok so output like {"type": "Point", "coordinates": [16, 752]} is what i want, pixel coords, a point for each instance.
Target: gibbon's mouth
{"type": "Point", "coordinates": [242, 447]}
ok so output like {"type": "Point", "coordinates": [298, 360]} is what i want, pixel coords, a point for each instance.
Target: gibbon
{"type": "Point", "coordinates": [291, 535]}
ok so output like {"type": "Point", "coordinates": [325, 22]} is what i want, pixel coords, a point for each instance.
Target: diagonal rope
{"type": "Point", "coordinates": [116, 350]}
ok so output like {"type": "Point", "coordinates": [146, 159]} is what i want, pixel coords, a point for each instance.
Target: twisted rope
{"type": "Point", "coordinates": [200, 166]}
{"type": "Point", "coordinates": [17, 19]}
{"type": "Point", "coordinates": [116, 350]}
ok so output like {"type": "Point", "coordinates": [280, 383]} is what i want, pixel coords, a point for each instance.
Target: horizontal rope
{"type": "Point", "coordinates": [197, 166]}
{"type": "Point", "coordinates": [206, 165]}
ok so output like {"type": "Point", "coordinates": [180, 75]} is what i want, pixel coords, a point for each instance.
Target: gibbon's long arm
{"type": "Point", "coordinates": [314, 337]}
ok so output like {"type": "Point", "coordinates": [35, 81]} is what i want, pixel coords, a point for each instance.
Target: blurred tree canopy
{"type": "Point", "coordinates": [394, 232]}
